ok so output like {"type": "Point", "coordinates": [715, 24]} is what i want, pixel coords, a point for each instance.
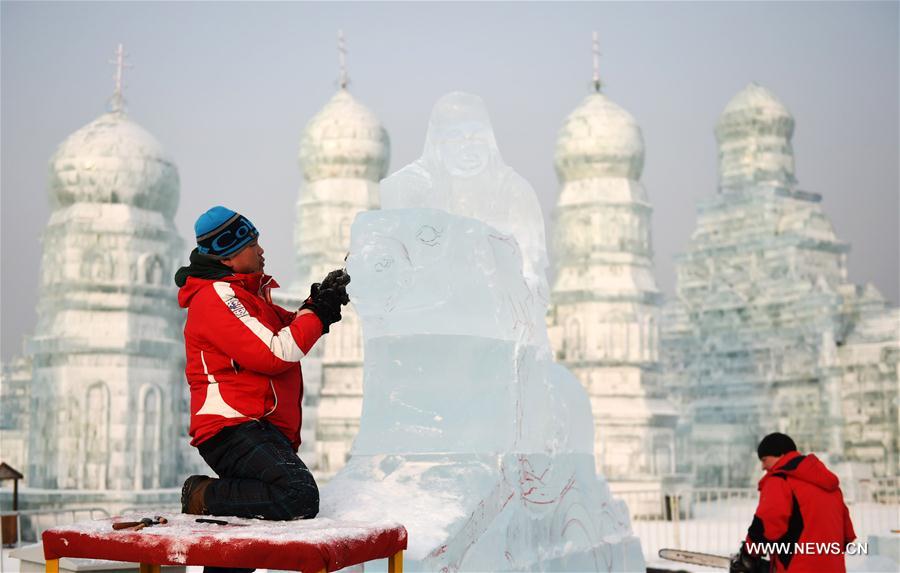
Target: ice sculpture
{"type": "Point", "coordinates": [470, 435]}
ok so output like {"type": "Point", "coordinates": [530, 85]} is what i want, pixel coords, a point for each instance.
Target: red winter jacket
{"type": "Point", "coordinates": [800, 502]}
{"type": "Point", "coordinates": [243, 355]}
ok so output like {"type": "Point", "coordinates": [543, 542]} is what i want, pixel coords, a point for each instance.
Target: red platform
{"type": "Point", "coordinates": [310, 545]}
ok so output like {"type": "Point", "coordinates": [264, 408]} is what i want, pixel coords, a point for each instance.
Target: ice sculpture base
{"type": "Point", "coordinates": [510, 512]}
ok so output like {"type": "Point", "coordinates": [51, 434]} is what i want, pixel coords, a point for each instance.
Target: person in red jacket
{"type": "Point", "coordinates": [801, 512]}
{"type": "Point", "coordinates": [243, 368]}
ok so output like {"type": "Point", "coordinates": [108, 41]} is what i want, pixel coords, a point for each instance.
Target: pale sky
{"type": "Point", "coordinates": [228, 87]}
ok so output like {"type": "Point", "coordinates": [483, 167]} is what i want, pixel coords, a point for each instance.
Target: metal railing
{"type": "Point", "coordinates": [31, 523]}
{"type": "Point", "coordinates": [880, 490]}
{"type": "Point", "coordinates": [156, 509]}
{"type": "Point", "coordinates": [716, 520]}
{"type": "Point", "coordinates": [707, 520]}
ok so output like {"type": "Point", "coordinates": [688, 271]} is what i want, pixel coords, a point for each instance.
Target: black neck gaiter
{"type": "Point", "coordinates": [201, 267]}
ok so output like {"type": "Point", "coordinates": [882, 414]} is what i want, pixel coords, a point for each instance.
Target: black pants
{"type": "Point", "coordinates": [260, 476]}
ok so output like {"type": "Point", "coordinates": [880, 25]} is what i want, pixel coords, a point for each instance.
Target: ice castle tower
{"type": "Point", "coordinates": [604, 320]}
{"type": "Point", "coordinates": [108, 405]}
{"type": "Point", "coordinates": [344, 153]}
{"type": "Point", "coordinates": [762, 304]}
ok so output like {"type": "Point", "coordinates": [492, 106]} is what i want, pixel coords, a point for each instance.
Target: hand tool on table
{"type": "Point", "coordinates": [139, 525]}
{"type": "Point", "coordinates": [219, 522]}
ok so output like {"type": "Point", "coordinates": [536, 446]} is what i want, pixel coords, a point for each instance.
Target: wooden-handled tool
{"type": "Point", "coordinates": [139, 525]}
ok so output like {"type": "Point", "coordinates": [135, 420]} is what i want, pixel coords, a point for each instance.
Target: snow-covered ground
{"type": "Point", "coordinates": [855, 564]}
{"type": "Point", "coordinates": [717, 535]}
{"type": "Point", "coordinates": [717, 528]}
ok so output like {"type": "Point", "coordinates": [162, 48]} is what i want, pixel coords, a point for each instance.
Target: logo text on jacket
{"type": "Point", "coordinates": [236, 307]}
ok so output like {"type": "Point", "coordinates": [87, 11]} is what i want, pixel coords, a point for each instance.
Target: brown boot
{"type": "Point", "coordinates": [192, 495]}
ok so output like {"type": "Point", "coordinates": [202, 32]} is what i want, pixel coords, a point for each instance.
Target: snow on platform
{"type": "Point", "coordinates": [302, 545]}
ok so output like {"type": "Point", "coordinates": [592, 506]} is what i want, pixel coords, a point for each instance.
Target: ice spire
{"type": "Point", "coordinates": [117, 102]}
{"type": "Point", "coordinates": [344, 79]}
{"type": "Point", "coordinates": [595, 49]}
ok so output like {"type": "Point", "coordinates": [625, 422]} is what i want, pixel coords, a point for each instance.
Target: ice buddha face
{"type": "Point", "coordinates": [460, 137]}
{"type": "Point", "coordinates": [465, 148]}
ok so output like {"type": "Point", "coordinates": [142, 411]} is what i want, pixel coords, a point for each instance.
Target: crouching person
{"type": "Point", "coordinates": [800, 506]}
{"type": "Point", "coordinates": [243, 367]}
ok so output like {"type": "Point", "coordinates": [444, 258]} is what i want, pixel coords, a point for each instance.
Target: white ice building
{"type": "Point", "coordinates": [869, 360]}
{"type": "Point", "coordinates": [604, 317]}
{"type": "Point", "coordinates": [470, 435]}
{"type": "Point", "coordinates": [344, 153]}
{"type": "Point", "coordinates": [15, 386]}
{"type": "Point", "coordinates": [108, 409]}
{"type": "Point", "coordinates": [764, 315]}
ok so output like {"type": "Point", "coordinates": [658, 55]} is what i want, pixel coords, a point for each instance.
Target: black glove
{"type": "Point", "coordinates": [743, 562]}
{"type": "Point", "coordinates": [326, 298]}
{"type": "Point", "coordinates": [338, 280]}
{"type": "Point", "coordinates": [325, 303]}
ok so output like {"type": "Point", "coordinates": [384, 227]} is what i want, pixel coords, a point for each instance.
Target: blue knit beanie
{"type": "Point", "coordinates": [221, 232]}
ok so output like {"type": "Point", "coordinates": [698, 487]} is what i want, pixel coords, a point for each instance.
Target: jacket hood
{"type": "Point", "coordinates": [807, 468]}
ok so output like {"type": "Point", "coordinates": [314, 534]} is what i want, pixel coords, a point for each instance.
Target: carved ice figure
{"type": "Point", "coordinates": [461, 172]}
{"type": "Point", "coordinates": [470, 435]}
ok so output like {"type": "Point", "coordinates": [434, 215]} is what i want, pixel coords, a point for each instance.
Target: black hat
{"type": "Point", "coordinates": [775, 445]}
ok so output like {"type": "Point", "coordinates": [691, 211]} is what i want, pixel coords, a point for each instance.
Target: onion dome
{"type": "Point", "coordinates": [344, 140]}
{"type": "Point", "coordinates": [754, 134]}
{"type": "Point", "coordinates": [114, 160]}
{"type": "Point", "coordinates": [599, 139]}
{"type": "Point", "coordinates": [754, 111]}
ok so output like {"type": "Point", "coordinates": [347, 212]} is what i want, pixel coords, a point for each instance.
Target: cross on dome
{"type": "Point", "coordinates": [117, 102]}
{"type": "Point", "coordinates": [114, 160]}
{"type": "Point", "coordinates": [344, 79]}
{"type": "Point", "coordinates": [595, 49]}
{"type": "Point", "coordinates": [344, 140]}
{"type": "Point", "coordinates": [599, 138]}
